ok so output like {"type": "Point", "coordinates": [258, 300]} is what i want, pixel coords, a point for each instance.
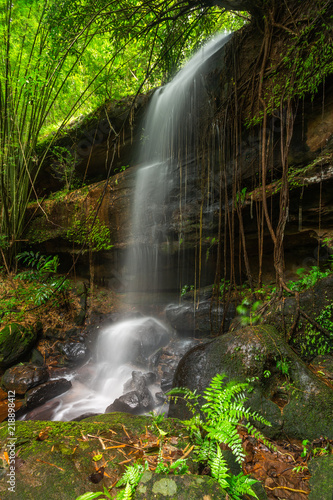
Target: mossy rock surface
{"type": "Point", "coordinates": [256, 352]}
{"type": "Point", "coordinates": [191, 487]}
{"type": "Point", "coordinates": [15, 341]}
{"type": "Point", "coordinates": [321, 482]}
{"type": "Point", "coordinates": [55, 460]}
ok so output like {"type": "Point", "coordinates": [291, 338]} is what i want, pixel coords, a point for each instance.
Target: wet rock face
{"type": "Point", "coordinates": [199, 321]}
{"type": "Point", "coordinates": [134, 402]}
{"type": "Point", "coordinates": [44, 392]}
{"type": "Point", "coordinates": [138, 399]}
{"type": "Point", "coordinates": [21, 378]}
{"type": "Point", "coordinates": [74, 352]}
{"type": "Point", "coordinates": [257, 352]}
{"type": "Point", "coordinates": [150, 337]}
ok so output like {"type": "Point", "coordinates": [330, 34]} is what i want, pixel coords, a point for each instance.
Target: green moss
{"type": "Point", "coordinates": [15, 341]}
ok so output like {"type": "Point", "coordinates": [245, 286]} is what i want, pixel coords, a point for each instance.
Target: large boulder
{"type": "Point", "coordinates": [285, 391]}
{"type": "Point", "coordinates": [15, 341]}
{"type": "Point", "coordinates": [21, 378]}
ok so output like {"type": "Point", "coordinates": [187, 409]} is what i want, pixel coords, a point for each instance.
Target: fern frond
{"type": "Point", "coordinates": [206, 451]}
{"type": "Point", "coordinates": [241, 485]}
{"type": "Point", "coordinates": [127, 493]}
{"type": "Point", "coordinates": [258, 435]}
{"type": "Point", "coordinates": [227, 433]}
{"type": "Point", "coordinates": [219, 468]}
{"type": "Point", "coordinates": [132, 475]}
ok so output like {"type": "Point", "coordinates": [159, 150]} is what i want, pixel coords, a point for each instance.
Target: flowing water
{"type": "Point", "coordinates": [171, 135]}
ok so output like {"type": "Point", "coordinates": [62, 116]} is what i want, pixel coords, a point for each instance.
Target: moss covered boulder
{"type": "Point", "coordinates": [15, 341]}
{"type": "Point", "coordinates": [286, 392]}
{"type": "Point", "coordinates": [321, 482]}
{"type": "Point", "coordinates": [60, 460]}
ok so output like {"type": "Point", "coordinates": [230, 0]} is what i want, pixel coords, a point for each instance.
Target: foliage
{"type": "Point", "coordinates": [90, 232]}
{"type": "Point", "coordinates": [91, 495]}
{"type": "Point", "coordinates": [249, 312]}
{"type": "Point", "coordinates": [179, 467]}
{"type": "Point", "coordinates": [314, 342]}
{"type": "Point", "coordinates": [130, 479]}
{"type": "Point", "coordinates": [306, 62]}
{"type": "Point", "coordinates": [308, 278]}
{"type": "Point", "coordinates": [42, 272]}
{"type": "Point", "coordinates": [185, 289]}
{"type": "Point", "coordinates": [63, 167]}
{"type": "Point", "coordinates": [34, 74]}
{"type": "Point", "coordinates": [216, 422]}
{"type": "Point", "coordinates": [283, 365]}
{"type": "Point", "coordinates": [32, 287]}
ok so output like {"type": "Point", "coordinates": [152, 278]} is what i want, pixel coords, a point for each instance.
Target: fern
{"type": "Point", "coordinates": [127, 493]}
{"type": "Point", "coordinates": [219, 468]}
{"type": "Point", "coordinates": [132, 475]}
{"type": "Point", "coordinates": [241, 485]}
{"type": "Point", "coordinates": [216, 423]}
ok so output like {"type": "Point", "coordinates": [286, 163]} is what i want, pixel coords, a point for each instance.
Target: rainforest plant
{"type": "Point", "coordinates": [215, 422]}
{"type": "Point", "coordinates": [42, 274]}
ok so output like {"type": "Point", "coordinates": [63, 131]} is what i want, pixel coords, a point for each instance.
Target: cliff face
{"type": "Point", "coordinates": [225, 188]}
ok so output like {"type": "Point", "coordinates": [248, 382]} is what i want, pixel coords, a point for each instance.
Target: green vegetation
{"type": "Point", "coordinates": [313, 342]}
{"type": "Point", "coordinates": [308, 46]}
{"type": "Point", "coordinates": [249, 313]}
{"type": "Point", "coordinates": [33, 286]}
{"type": "Point", "coordinates": [308, 278]}
{"type": "Point", "coordinates": [215, 422]}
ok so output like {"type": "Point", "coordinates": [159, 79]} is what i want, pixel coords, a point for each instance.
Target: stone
{"type": "Point", "coordinates": [15, 341]}
{"type": "Point", "coordinates": [254, 352]}
{"type": "Point", "coordinates": [44, 412]}
{"type": "Point", "coordinates": [21, 378]}
{"type": "Point", "coordinates": [37, 358]}
{"type": "Point", "coordinates": [203, 320]}
{"type": "Point", "coordinates": [139, 381]}
{"type": "Point", "coordinates": [74, 352]}
{"type": "Point", "coordinates": [189, 487]}
{"type": "Point", "coordinates": [321, 481]}
{"type": "Point", "coordinates": [44, 392]}
{"type": "Point", "coordinates": [134, 402]}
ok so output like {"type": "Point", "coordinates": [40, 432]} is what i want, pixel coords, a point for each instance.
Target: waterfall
{"type": "Point", "coordinates": [171, 138]}
{"type": "Point", "coordinates": [172, 154]}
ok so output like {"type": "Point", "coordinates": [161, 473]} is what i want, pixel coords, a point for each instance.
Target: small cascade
{"type": "Point", "coordinates": [172, 145]}
{"type": "Point", "coordinates": [122, 348]}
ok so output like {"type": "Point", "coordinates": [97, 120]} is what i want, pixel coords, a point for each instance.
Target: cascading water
{"type": "Point", "coordinates": [172, 137]}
